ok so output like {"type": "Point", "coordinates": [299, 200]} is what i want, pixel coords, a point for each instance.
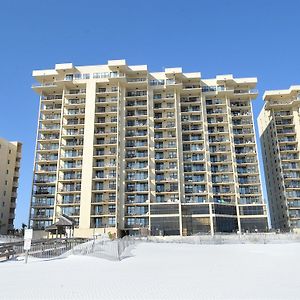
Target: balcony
{"type": "Point", "coordinates": [221, 170]}
{"type": "Point", "coordinates": [44, 192]}
{"type": "Point", "coordinates": [41, 216]}
{"type": "Point", "coordinates": [103, 212]}
{"type": "Point", "coordinates": [75, 101]}
{"type": "Point", "coordinates": [72, 112]}
{"type": "Point", "coordinates": [247, 180]}
{"type": "Point", "coordinates": [218, 140]}
{"type": "Point", "coordinates": [156, 82]}
{"type": "Point", "coordinates": [246, 91]}
{"type": "Point", "coordinates": [136, 133]}
{"type": "Point", "coordinates": [50, 127]}
{"type": "Point", "coordinates": [189, 99]}
{"type": "Point", "coordinates": [72, 154]}
{"type": "Point", "coordinates": [185, 109]}
{"type": "Point", "coordinates": [76, 92]}
{"type": "Point", "coordinates": [172, 82]}
{"type": "Point", "coordinates": [240, 122]}
{"type": "Point", "coordinates": [71, 189]}
{"type": "Point", "coordinates": [136, 93]}
{"type": "Point", "coordinates": [242, 170]}
{"type": "Point", "coordinates": [71, 176]}
{"type": "Point", "coordinates": [288, 148]}
{"type": "Point", "coordinates": [286, 139]}
{"type": "Point", "coordinates": [243, 141]}
{"type": "Point", "coordinates": [284, 122]}
{"type": "Point", "coordinates": [285, 131]}
{"type": "Point", "coordinates": [47, 158]}
{"type": "Point", "coordinates": [284, 103]}
{"type": "Point", "coordinates": [45, 168]}
{"type": "Point", "coordinates": [75, 122]}
{"type": "Point", "coordinates": [291, 166]}
{"type": "Point", "coordinates": [45, 179]}
{"type": "Point", "coordinates": [289, 156]}
{"type": "Point", "coordinates": [74, 201]}
{"type": "Point", "coordinates": [191, 86]}
{"type": "Point", "coordinates": [215, 111]}
{"type": "Point", "coordinates": [51, 107]}
{"type": "Point", "coordinates": [132, 123]}
{"type": "Point", "coordinates": [222, 191]}
{"type": "Point", "coordinates": [51, 97]}
{"type": "Point", "coordinates": [295, 184]}
{"type": "Point", "coordinates": [48, 137]}
{"type": "Point", "coordinates": [131, 144]}
{"type": "Point", "coordinates": [113, 74]}
{"type": "Point", "coordinates": [218, 88]}
{"type": "Point", "coordinates": [217, 120]}
{"type": "Point", "coordinates": [73, 143]}
{"type": "Point", "coordinates": [50, 117]}
{"type": "Point", "coordinates": [73, 132]}
{"type": "Point", "coordinates": [242, 131]}
{"type": "Point", "coordinates": [136, 80]}
{"type": "Point", "coordinates": [71, 166]}
{"type": "Point", "coordinates": [106, 100]}
{"type": "Point", "coordinates": [195, 168]}
{"type": "Point", "coordinates": [240, 114]}
{"type": "Point", "coordinates": [44, 85]}
{"type": "Point", "coordinates": [42, 202]}
{"type": "Point", "coordinates": [245, 161]}
{"type": "Point", "coordinates": [283, 114]}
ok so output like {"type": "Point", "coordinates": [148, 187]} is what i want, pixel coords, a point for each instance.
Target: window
{"type": "Point", "coordinates": [173, 165]}
{"type": "Point", "coordinates": [111, 221]}
{"type": "Point", "coordinates": [69, 77]}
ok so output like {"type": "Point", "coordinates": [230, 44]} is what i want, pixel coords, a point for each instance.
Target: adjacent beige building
{"type": "Point", "coordinates": [122, 149]}
{"type": "Point", "coordinates": [279, 128]}
{"type": "Point", "coordinates": [10, 157]}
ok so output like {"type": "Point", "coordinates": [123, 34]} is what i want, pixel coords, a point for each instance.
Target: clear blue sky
{"type": "Point", "coordinates": [246, 38]}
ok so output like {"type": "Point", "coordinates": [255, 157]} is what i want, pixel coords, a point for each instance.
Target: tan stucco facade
{"type": "Point", "coordinates": [279, 128]}
{"type": "Point", "coordinates": [10, 157]}
{"type": "Point", "coordinates": [122, 149]}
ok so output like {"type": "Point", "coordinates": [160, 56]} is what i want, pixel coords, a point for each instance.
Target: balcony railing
{"type": "Point", "coordinates": [45, 84]}
{"type": "Point", "coordinates": [136, 79]}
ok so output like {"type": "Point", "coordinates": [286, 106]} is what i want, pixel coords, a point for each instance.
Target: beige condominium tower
{"type": "Point", "coordinates": [279, 127]}
{"type": "Point", "coordinates": [124, 150]}
{"type": "Point", "coordinates": [10, 157]}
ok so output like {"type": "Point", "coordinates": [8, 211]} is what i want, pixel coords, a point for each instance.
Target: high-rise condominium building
{"type": "Point", "coordinates": [279, 127]}
{"type": "Point", "coordinates": [10, 157]}
{"type": "Point", "coordinates": [123, 149]}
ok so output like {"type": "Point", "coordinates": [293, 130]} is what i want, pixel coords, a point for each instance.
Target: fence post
{"type": "Point", "coordinates": [26, 256]}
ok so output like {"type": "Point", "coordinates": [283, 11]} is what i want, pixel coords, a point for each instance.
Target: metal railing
{"type": "Point", "coordinates": [117, 249]}
{"type": "Point", "coordinates": [219, 238]}
{"type": "Point", "coordinates": [42, 248]}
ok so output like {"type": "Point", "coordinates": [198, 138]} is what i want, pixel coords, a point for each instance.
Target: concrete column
{"type": "Point", "coordinates": [57, 208]}
{"type": "Point", "coordinates": [87, 158]}
{"type": "Point", "coordinates": [120, 194]}
{"type": "Point", "coordinates": [233, 161]}
{"type": "Point", "coordinates": [207, 160]}
{"type": "Point", "coordinates": [181, 191]}
{"type": "Point", "coordinates": [151, 153]}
